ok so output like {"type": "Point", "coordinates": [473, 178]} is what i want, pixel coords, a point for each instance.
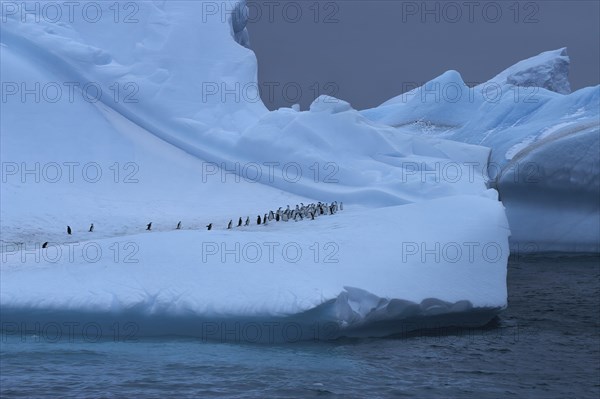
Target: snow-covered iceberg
{"type": "Point", "coordinates": [545, 158]}
{"type": "Point", "coordinates": [348, 271]}
{"type": "Point", "coordinates": [422, 237]}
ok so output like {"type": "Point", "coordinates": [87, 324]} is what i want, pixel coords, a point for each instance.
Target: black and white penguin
{"type": "Point", "coordinates": [239, 222]}
{"type": "Point", "coordinates": [312, 216]}
{"type": "Point", "coordinates": [91, 228]}
{"type": "Point", "coordinates": [45, 245]}
{"type": "Point", "coordinates": [178, 226]}
{"type": "Point", "coordinates": [149, 226]}
{"type": "Point", "coordinates": [229, 225]}
{"type": "Point", "coordinates": [247, 221]}
{"type": "Point", "coordinates": [69, 230]}
{"type": "Point", "coordinates": [265, 219]}
{"type": "Point", "coordinates": [258, 220]}
{"type": "Point", "coordinates": [271, 215]}
{"type": "Point", "coordinates": [277, 217]}
{"type": "Point", "coordinates": [209, 226]}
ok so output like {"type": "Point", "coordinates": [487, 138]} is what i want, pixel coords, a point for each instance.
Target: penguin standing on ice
{"type": "Point", "coordinates": [258, 220]}
{"type": "Point", "coordinates": [247, 221]}
{"type": "Point", "coordinates": [312, 216]}
{"type": "Point", "coordinates": [239, 222]}
{"type": "Point", "coordinates": [209, 226]}
{"type": "Point", "coordinates": [91, 230]}
{"type": "Point", "coordinates": [69, 230]}
{"type": "Point", "coordinates": [45, 245]}
{"type": "Point", "coordinates": [229, 225]}
{"type": "Point", "coordinates": [178, 226]}
{"type": "Point", "coordinates": [148, 226]}
{"type": "Point", "coordinates": [265, 219]}
{"type": "Point", "coordinates": [277, 217]}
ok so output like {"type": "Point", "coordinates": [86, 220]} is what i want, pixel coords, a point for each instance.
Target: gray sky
{"type": "Point", "coordinates": [366, 52]}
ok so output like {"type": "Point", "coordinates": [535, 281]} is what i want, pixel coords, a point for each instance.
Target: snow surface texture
{"type": "Point", "coordinates": [421, 234]}
{"type": "Point", "coordinates": [545, 145]}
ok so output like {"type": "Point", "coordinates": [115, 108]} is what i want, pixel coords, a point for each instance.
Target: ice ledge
{"type": "Point", "coordinates": [354, 313]}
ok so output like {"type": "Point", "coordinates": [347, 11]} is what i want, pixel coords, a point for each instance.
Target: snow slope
{"type": "Point", "coordinates": [91, 165]}
{"type": "Point", "coordinates": [421, 234]}
{"type": "Point", "coordinates": [544, 141]}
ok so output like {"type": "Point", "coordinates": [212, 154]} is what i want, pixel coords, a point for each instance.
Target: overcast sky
{"type": "Point", "coordinates": [366, 52]}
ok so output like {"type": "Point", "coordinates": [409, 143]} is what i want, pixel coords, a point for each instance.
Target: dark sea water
{"type": "Point", "coordinates": [546, 345]}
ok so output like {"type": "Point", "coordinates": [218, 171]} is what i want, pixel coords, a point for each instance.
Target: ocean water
{"type": "Point", "coordinates": [546, 345]}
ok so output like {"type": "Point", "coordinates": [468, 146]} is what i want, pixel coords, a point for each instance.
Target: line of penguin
{"type": "Point", "coordinates": [69, 232]}
{"type": "Point", "coordinates": [301, 212]}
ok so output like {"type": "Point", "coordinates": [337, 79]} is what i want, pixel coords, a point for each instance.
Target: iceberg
{"type": "Point", "coordinates": [544, 141]}
{"type": "Point", "coordinates": [172, 129]}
